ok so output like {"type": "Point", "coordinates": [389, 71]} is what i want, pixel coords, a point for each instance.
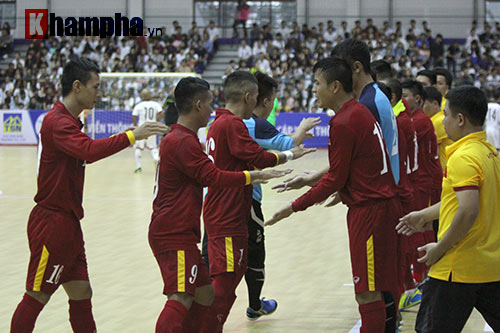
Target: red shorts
{"type": "Point", "coordinates": [373, 244]}
{"type": "Point", "coordinates": [57, 250]}
{"type": "Point", "coordinates": [182, 270]}
{"type": "Point", "coordinates": [228, 255]}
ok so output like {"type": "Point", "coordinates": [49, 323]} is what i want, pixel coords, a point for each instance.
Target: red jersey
{"type": "Point", "coordinates": [429, 173]}
{"type": "Point", "coordinates": [226, 210]}
{"type": "Point", "coordinates": [359, 166]}
{"type": "Point", "coordinates": [63, 151]}
{"type": "Point", "coordinates": [407, 147]}
{"type": "Point", "coordinates": [181, 174]}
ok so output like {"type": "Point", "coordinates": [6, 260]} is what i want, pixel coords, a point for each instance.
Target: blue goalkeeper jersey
{"type": "Point", "coordinates": [268, 137]}
{"type": "Point", "coordinates": [378, 104]}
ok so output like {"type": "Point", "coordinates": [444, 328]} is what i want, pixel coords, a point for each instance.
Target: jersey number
{"type": "Point", "coordinates": [378, 133]}
{"type": "Point", "coordinates": [194, 274]}
{"type": "Point", "coordinates": [210, 149]}
{"type": "Point", "coordinates": [56, 274]}
{"type": "Point", "coordinates": [150, 113]}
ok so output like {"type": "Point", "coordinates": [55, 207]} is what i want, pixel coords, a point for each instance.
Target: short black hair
{"type": "Point", "coordinates": [77, 69]}
{"type": "Point", "coordinates": [353, 50]}
{"type": "Point", "coordinates": [414, 86]}
{"type": "Point", "coordinates": [395, 87]}
{"type": "Point", "coordinates": [385, 89]}
{"type": "Point", "coordinates": [237, 84]}
{"type": "Point", "coordinates": [470, 101]}
{"type": "Point", "coordinates": [187, 91]}
{"type": "Point", "coordinates": [335, 69]}
{"type": "Point", "coordinates": [382, 69]}
{"type": "Point", "coordinates": [446, 73]}
{"type": "Point", "coordinates": [432, 94]}
{"type": "Point", "coordinates": [267, 86]}
{"type": "Point", "coordinates": [429, 74]}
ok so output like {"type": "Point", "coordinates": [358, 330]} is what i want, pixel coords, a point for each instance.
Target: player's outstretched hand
{"type": "Point", "coordinates": [309, 136]}
{"type": "Point", "coordinates": [261, 176]}
{"type": "Point", "coordinates": [412, 223]}
{"type": "Point", "coordinates": [335, 200]}
{"type": "Point", "coordinates": [309, 123]}
{"type": "Point", "coordinates": [295, 183]}
{"type": "Point", "coordinates": [280, 215]}
{"type": "Point", "coordinates": [150, 128]}
{"type": "Point", "coordinates": [300, 151]}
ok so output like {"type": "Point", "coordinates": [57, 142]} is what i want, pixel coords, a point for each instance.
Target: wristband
{"type": "Point", "coordinates": [288, 154]}
{"type": "Point", "coordinates": [248, 178]}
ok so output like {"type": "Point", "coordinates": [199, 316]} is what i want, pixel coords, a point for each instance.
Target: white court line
{"type": "Point", "coordinates": [487, 328]}
{"type": "Point", "coordinates": [356, 327]}
{"type": "Point", "coordinates": [348, 284]}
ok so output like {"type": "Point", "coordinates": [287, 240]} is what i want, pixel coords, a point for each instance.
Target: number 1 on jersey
{"type": "Point", "coordinates": [378, 133]}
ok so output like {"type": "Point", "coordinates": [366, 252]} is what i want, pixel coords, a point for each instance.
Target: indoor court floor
{"type": "Point", "coordinates": [307, 268]}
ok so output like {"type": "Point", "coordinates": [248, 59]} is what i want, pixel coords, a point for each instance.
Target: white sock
{"type": "Point", "coordinates": [138, 156]}
{"type": "Point", "coordinates": [155, 154]}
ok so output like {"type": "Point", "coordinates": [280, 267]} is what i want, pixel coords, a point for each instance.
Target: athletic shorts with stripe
{"type": "Point", "coordinates": [182, 270]}
{"type": "Point", "coordinates": [373, 245]}
{"type": "Point", "coordinates": [57, 250]}
{"type": "Point", "coordinates": [228, 255]}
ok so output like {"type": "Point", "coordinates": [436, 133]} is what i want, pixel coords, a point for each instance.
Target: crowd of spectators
{"type": "Point", "coordinates": [32, 80]}
{"type": "Point", "coordinates": [288, 54]}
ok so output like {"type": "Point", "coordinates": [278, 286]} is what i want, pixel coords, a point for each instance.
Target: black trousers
{"type": "Point", "coordinates": [449, 305]}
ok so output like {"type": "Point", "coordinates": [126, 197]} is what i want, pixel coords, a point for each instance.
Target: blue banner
{"type": "Point", "coordinates": [107, 123]}
{"type": "Point", "coordinates": [22, 126]}
{"type": "Point", "coordinates": [287, 123]}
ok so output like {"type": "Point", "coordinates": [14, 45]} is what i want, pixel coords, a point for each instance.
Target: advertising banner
{"type": "Point", "coordinates": [22, 126]}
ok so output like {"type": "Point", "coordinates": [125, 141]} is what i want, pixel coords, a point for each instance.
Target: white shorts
{"type": "Point", "coordinates": [149, 143]}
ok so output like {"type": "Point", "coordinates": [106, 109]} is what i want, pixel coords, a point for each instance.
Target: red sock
{"type": "Point", "coordinates": [80, 316]}
{"type": "Point", "coordinates": [171, 318]}
{"type": "Point", "coordinates": [195, 317]}
{"type": "Point", "coordinates": [24, 318]}
{"type": "Point", "coordinates": [418, 276]}
{"type": "Point", "coordinates": [224, 287]}
{"type": "Point", "coordinates": [372, 317]}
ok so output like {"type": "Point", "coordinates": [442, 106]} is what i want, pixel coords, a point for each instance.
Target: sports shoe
{"type": "Point", "coordinates": [138, 170]}
{"type": "Point", "coordinates": [409, 299]}
{"type": "Point", "coordinates": [266, 308]}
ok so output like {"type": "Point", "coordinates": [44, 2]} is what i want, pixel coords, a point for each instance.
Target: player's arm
{"type": "Point", "coordinates": [135, 113]}
{"type": "Point", "coordinates": [191, 160]}
{"type": "Point", "coordinates": [68, 137]}
{"type": "Point", "coordinates": [245, 148]}
{"type": "Point", "coordinates": [418, 221]}
{"type": "Point", "coordinates": [467, 212]}
{"type": "Point", "coordinates": [305, 126]}
{"type": "Point", "coordinates": [332, 181]}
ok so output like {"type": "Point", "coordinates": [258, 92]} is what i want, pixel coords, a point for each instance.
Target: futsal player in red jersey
{"type": "Point", "coordinates": [175, 224]}
{"type": "Point", "coordinates": [428, 176]}
{"type": "Point", "coordinates": [361, 175]}
{"type": "Point", "coordinates": [407, 148]}
{"type": "Point", "coordinates": [54, 232]}
{"type": "Point", "coordinates": [227, 210]}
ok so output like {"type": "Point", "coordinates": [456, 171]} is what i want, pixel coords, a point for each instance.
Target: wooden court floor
{"type": "Point", "coordinates": [307, 267]}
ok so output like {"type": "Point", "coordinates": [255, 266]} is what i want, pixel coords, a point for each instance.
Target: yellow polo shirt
{"type": "Point", "coordinates": [442, 138]}
{"type": "Point", "coordinates": [443, 103]}
{"type": "Point", "coordinates": [473, 163]}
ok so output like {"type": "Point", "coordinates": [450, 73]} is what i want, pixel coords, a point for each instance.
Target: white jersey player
{"type": "Point", "coordinates": [492, 124]}
{"type": "Point", "coordinates": [145, 111]}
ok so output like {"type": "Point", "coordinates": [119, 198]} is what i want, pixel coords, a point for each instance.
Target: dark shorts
{"type": "Point", "coordinates": [57, 250]}
{"type": "Point", "coordinates": [373, 244]}
{"type": "Point", "coordinates": [182, 270]}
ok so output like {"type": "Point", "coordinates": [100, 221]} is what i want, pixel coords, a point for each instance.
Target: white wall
{"type": "Point", "coordinates": [159, 13]}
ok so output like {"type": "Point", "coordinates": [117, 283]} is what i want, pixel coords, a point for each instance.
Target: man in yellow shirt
{"type": "Point", "coordinates": [465, 262]}
{"type": "Point", "coordinates": [432, 108]}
